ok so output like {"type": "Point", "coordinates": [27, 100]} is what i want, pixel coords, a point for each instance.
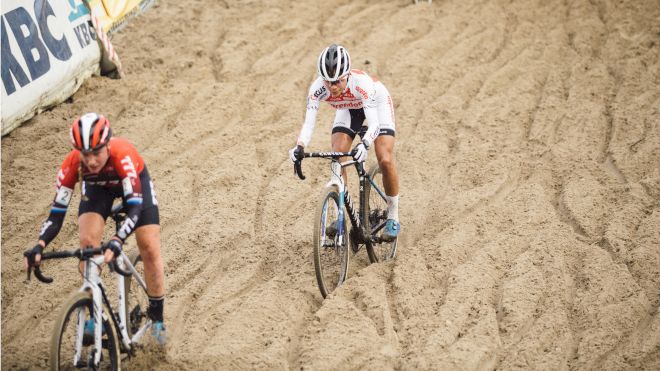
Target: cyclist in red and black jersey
{"type": "Point", "coordinates": [109, 168]}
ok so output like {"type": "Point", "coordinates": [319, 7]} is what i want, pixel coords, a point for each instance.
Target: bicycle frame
{"type": "Point", "coordinates": [337, 180]}
{"type": "Point", "coordinates": [93, 284]}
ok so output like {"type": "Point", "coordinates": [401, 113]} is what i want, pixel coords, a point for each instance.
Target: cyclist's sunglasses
{"type": "Point", "coordinates": [94, 151]}
{"type": "Point", "coordinates": [332, 83]}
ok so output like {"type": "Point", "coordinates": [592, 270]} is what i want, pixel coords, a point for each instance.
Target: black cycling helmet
{"type": "Point", "coordinates": [334, 63]}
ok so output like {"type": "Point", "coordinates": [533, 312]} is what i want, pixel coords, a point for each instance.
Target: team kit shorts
{"type": "Point", "coordinates": [99, 199]}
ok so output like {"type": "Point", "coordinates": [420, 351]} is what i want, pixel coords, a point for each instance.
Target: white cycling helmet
{"type": "Point", "coordinates": [334, 63]}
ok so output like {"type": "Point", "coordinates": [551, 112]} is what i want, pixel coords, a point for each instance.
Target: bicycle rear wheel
{"type": "Point", "coordinates": [136, 298]}
{"type": "Point", "coordinates": [377, 249]}
{"type": "Point", "coordinates": [330, 254]}
{"type": "Point", "coordinates": [69, 326]}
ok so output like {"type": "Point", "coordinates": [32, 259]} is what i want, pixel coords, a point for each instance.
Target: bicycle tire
{"type": "Point", "coordinates": [136, 300]}
{"type": "Point", "coordinates": [376, 214]}
{"type": "Point", "coordinates": [330, 260]}
{"type": "Point", "coordinates": [110, 358]}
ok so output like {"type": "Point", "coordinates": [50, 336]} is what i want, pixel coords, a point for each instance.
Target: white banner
{"type": "Point", "coordinates": [48, 49]}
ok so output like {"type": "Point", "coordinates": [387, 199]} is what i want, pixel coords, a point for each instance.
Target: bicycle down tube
{"type": "Point", "coordinates": [344, 195]}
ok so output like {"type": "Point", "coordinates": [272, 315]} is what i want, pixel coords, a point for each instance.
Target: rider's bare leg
{"type": "Point", "coordinates": [384, 147]}
{"type": "Point", "coordinates": [90, 226]}
{"type": "Point", "coordinates": [90, 231]}
{"type": "Point", "coordinates": [148, 241]}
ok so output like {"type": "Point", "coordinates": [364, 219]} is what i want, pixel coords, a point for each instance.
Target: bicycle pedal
{"type": "Point", "coordinates": [332, 229]}
{"type": "Point", "coordinates": [81, 364]}
{"type": "Point", "coordinates": [87, 340]}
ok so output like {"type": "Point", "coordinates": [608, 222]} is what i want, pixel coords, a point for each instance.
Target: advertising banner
{"type": "Point", "coordinates": [49, 48]}
{"type": "Point", "coordinates": [113, 14]}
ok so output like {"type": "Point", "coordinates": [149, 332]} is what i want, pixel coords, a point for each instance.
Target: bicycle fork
{"type": "Point", "coordinates": [344, 199]}
{"type": "Point", "coordinates": [91, 284]}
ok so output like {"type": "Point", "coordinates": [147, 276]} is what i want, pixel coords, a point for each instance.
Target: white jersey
{"type": "Point", "coordinates": [362, 91]}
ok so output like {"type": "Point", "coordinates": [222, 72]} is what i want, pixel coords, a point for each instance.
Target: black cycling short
{"type": "Point", "coordinates": [357, 119]}
{"type": "Point", "coordinates": [99, 199]}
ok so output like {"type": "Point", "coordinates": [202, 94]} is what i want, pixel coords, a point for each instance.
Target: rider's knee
{"type": "Point", "coordinates": [386, 161]}
{"type": "Point", "coordinates": [87, 240]}
{"type": "Point", "coordinates": [149, 252]}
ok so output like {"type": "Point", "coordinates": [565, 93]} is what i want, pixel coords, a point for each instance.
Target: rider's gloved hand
{"type": "Point", "coordinates": [360, 152]}
{"type": "Point", "coordinates": [33, 256]}
{"type": "Point", "coordinates": [112, 249]}
{"type": "Point", "coordinates": [296, 153]}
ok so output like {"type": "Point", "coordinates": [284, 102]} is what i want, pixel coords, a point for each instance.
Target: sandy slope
{"type": "Point", "coordinates": [529, 153]}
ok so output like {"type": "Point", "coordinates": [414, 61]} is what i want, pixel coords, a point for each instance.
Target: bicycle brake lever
{"type": "Point", "coordinates": [114, 266]}
{"type": "Point", "coordinates": [40, 276]}
{"type": "Point", "coordinates": [297, 169]}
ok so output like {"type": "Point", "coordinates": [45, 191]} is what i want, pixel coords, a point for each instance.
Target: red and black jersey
{"type": "Point", "coordinates": [124, 166]}
{"type": "Point", "coordinates": [120, 176]}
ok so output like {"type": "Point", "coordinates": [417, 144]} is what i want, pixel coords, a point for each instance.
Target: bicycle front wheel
{"type": "Point", "coordinates": [68, 338]}
{"type": "Point", "coordinates": [377, 249]}
{"type": "Point", "coordinates": [330, 247]}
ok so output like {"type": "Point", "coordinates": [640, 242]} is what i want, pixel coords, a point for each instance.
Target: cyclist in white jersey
{"type": "Point", "coordinates": [356, 96]}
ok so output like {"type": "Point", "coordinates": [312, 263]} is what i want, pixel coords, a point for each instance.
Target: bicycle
{"type": "Point", "coordinates": [114, 332]}
{"type": "Point", "coordinates": [331, 235]}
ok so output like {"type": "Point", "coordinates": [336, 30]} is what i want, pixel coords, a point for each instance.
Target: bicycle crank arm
{"type": "Point", "coordinates": [138, 335]}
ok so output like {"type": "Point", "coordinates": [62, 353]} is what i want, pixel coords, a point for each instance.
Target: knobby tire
{"type": "Point", "coordinates": [110, 357]}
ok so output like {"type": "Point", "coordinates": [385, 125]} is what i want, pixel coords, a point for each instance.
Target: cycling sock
{"type": "Point", "coordinates": [155, 310]}
{"type": "Point", "coordinates": [393, 207]}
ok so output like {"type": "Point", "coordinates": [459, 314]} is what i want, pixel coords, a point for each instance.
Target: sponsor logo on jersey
{"type": "Point", "coordinates": [350, 105]}
{"type": "Point", "coordinates": [129, 168]}
{"type": "Point", "coordinates": [312, 103]}
{"type": "Point", "coordinates": [319, 92]}
{"type": "Point", "coordinates": [60, 178]}
{"type": "Point", "coordinates": [109, 183]}
{"type": "Point", "coordinates": [362, 92]}
{"type": "Point", "coordinates": [45, 226]}
{"type": "Point", "coordinates": [126, 228]}
{"type": "Point", "coordinates": [347, 95]}
{"type": "Point", "coordinates": [128, 186]}
{"type": "Point", "coordinates": [153, 193]}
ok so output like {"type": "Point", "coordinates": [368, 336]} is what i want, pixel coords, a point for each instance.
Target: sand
{"type": "Point", "coordinates": [528, 148]}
